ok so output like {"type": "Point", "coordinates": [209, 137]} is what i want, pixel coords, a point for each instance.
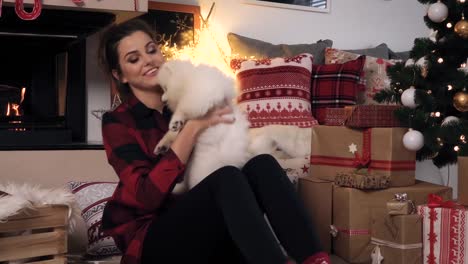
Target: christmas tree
{"type": "Point", "coordinates": [432, 86]}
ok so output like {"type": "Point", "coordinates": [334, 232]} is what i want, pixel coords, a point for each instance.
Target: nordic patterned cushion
{"type": "Point", "coordinates": [275, 90]}
{"type": "Point", "coordinates": [375, 72]}
{"type": "Point", "coordinates": [335, 86]}
{"type": "Point", "coordinates": [91, 198]}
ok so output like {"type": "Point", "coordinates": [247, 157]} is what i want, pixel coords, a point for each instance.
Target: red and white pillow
{"type": "Point", "coordinates": [375, 72]}
{"type": "Point", "coordinates": [275, 90]}
{"type": "Point", "coordinates": [335, 86]}
{"type": "Point", "coordinates": [91, 198]}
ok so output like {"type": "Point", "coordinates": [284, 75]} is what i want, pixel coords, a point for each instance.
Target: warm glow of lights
{"type": "Point", "coordinates": [429, 92]}
{"type": "Point", "coordinates": [461, 1]}
{"type": "Point", "coordinates": [437, 114]}
{"type": "Point", "coordinates": [440, 60]}
{"type": "Point", "coordinates": [205, 49]}
{"type": "Point", "coordinates": [456, 148]}
{"type": "Point", "coordinates": [449, 87]}
{"type": "Point", "coordinates": [463, 139]}
{"type": "Point", "coordinates": [449, 25]}
{"type": "Point", "coordinates": [463, 65]}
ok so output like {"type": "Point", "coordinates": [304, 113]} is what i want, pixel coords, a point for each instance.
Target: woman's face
{"type": "Point", "coordinates": [140, 58]}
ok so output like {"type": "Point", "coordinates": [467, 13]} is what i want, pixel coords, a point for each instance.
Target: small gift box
{"type": "Point", "coordinates": [445, 231]}
{"type": "Point", "coordinates": [363, 116]}
{"type": "Point", "coordinates": [335, 116]}
{"type": "Point", "coordinates": [362, 179]}
{"type": "Point", "coordinates": [400, 205]}
{"type": "Point", "coordinates": [397, 239]}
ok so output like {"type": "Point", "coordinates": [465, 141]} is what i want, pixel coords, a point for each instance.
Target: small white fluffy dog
{"type": "Point", "coordinates": [190, 91]}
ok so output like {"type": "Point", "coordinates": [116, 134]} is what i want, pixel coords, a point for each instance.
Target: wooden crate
{"type": "Point", "coordinates": [37, 236]}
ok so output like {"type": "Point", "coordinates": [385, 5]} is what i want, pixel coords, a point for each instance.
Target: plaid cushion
{"type": "Point", "coordinates": [375, 73]}
{"type": "Point", "coordinates": [335, 85]}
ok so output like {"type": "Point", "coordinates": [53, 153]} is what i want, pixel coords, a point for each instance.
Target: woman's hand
{"type": "Point", "coordinates": [187, 137]}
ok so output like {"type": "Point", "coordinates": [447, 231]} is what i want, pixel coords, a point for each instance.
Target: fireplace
{"type": "Point", "coordinates": [42, 76]}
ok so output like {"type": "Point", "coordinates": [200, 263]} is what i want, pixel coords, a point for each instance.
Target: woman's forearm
{"type": "Point", "coordinates": [185, 140]}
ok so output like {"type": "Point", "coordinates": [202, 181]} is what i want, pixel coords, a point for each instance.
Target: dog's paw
{"type": "Point", "coordinates": [176, 125]}
{"type": "Point", "coordinates": [160, 149]}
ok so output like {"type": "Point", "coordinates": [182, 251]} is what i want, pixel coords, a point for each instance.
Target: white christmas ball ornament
{"type": "Point", "coordinates": [437, 12]}
{"type": "Point", "coordinates": [407, 97]}
{"type": "Point", "coordinates": [413, 140]}
{"type": "Point", "coordinates": [449, 119]}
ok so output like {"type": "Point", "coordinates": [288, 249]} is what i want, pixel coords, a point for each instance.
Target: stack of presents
{"type": "Point", "coordinates": [364, 199]}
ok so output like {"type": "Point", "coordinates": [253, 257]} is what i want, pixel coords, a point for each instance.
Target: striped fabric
{"type": "Point", "coordinates": [91, 198]}
{"type": "Point", "coordinates": [335, 85]}
{"type": "Point", "coordinates": [275, 91]}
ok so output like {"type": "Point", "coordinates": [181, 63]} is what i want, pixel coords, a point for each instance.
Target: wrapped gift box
{"type": "Point", "coordinates": [398, 237]}
{"type": "Point", "coordinates": [339, 149]}
{"type": "Point", "coordinates": [363, 116]}
{"type": "Point", "coordinates": [445, 234]}
{"type": "Point", "coordinates": [463, 180]}
{"type": "Point", "coordinates": [335, 117]}
{"type": "Point", "coordinates": [352, 215]}
{"type": "Point", "coordinates": [317, 197]}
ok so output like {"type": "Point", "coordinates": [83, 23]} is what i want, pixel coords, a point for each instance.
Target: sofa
{"type": "Point", "coordinates": [92, 180]}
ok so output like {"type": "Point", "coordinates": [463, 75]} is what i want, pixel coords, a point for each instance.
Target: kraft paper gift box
{"type": "Point", "coordinates": [445, 234]}
{"type": "Point", "coordinates": [317, 197]}
{"type": "Point", "coordinates": [463, 180]}
{"type": "Point", "coordinates": [398, 237]}
{"type": "Point", "coordinates": [352, 214]}
{"type": "Point", "coordinates": [339, 149]}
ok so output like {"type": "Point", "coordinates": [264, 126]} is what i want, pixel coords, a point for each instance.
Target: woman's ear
{"type": "Point", "coordinates": [116, 75]}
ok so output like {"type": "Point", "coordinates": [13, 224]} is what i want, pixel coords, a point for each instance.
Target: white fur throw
{"type": "Point", "coordinates": [25, 196]}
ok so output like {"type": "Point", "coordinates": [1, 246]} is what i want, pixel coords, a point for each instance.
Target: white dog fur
{"type": "Point", "coordinates": [190, 91]}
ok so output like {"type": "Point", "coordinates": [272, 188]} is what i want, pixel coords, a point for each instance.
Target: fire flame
{"type": "Point", "coordinates": [14, 109]}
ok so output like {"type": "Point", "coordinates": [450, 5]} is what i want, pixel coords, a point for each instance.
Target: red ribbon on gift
{"type": "Point", "coordinates": [363, 161]}
{"type": "Point", "coordinates": [434, 201]}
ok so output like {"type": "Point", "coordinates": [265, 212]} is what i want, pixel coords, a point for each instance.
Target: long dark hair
{"type": "Point", "coordinates": [108, 54]}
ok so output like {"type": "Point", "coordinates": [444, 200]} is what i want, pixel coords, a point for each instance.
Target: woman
{"type": "Point", "coordinates": [221, 220]}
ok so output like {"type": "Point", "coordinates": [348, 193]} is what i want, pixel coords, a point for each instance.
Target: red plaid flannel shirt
{"type": "Point", "coordinates": [130, 134]}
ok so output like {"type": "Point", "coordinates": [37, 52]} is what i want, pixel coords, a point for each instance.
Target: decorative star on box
{"type": "Point", "coordinates": [305, 169]}
{"type": "Point", "coordinates": [352, 148]}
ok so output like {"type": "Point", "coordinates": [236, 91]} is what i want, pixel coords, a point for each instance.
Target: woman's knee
{"type": "Point", "coordinates": [261, 160]}
{"type": "Point", "coordinates": [226, 174]}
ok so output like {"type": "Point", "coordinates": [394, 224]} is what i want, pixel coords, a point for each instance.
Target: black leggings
{"type": "Point", "coordinates": [221, 220]}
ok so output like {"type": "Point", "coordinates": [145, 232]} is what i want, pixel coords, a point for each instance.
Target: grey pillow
{"type": "Point", "coordinates": [402, 55]}
{"type": "Point", "coordinates": [317, 49]}
{"type": "Point", "coordinates": [247, 47]}
{"type": "Point", "coordinates": [381, 51]}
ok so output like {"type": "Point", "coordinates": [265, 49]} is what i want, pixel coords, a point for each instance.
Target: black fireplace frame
{"type": "Point", "coordinates": [77, 26]}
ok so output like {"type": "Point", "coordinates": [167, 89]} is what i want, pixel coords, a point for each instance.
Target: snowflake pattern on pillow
{"type": "Point", "coordinates": [275, 90]}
